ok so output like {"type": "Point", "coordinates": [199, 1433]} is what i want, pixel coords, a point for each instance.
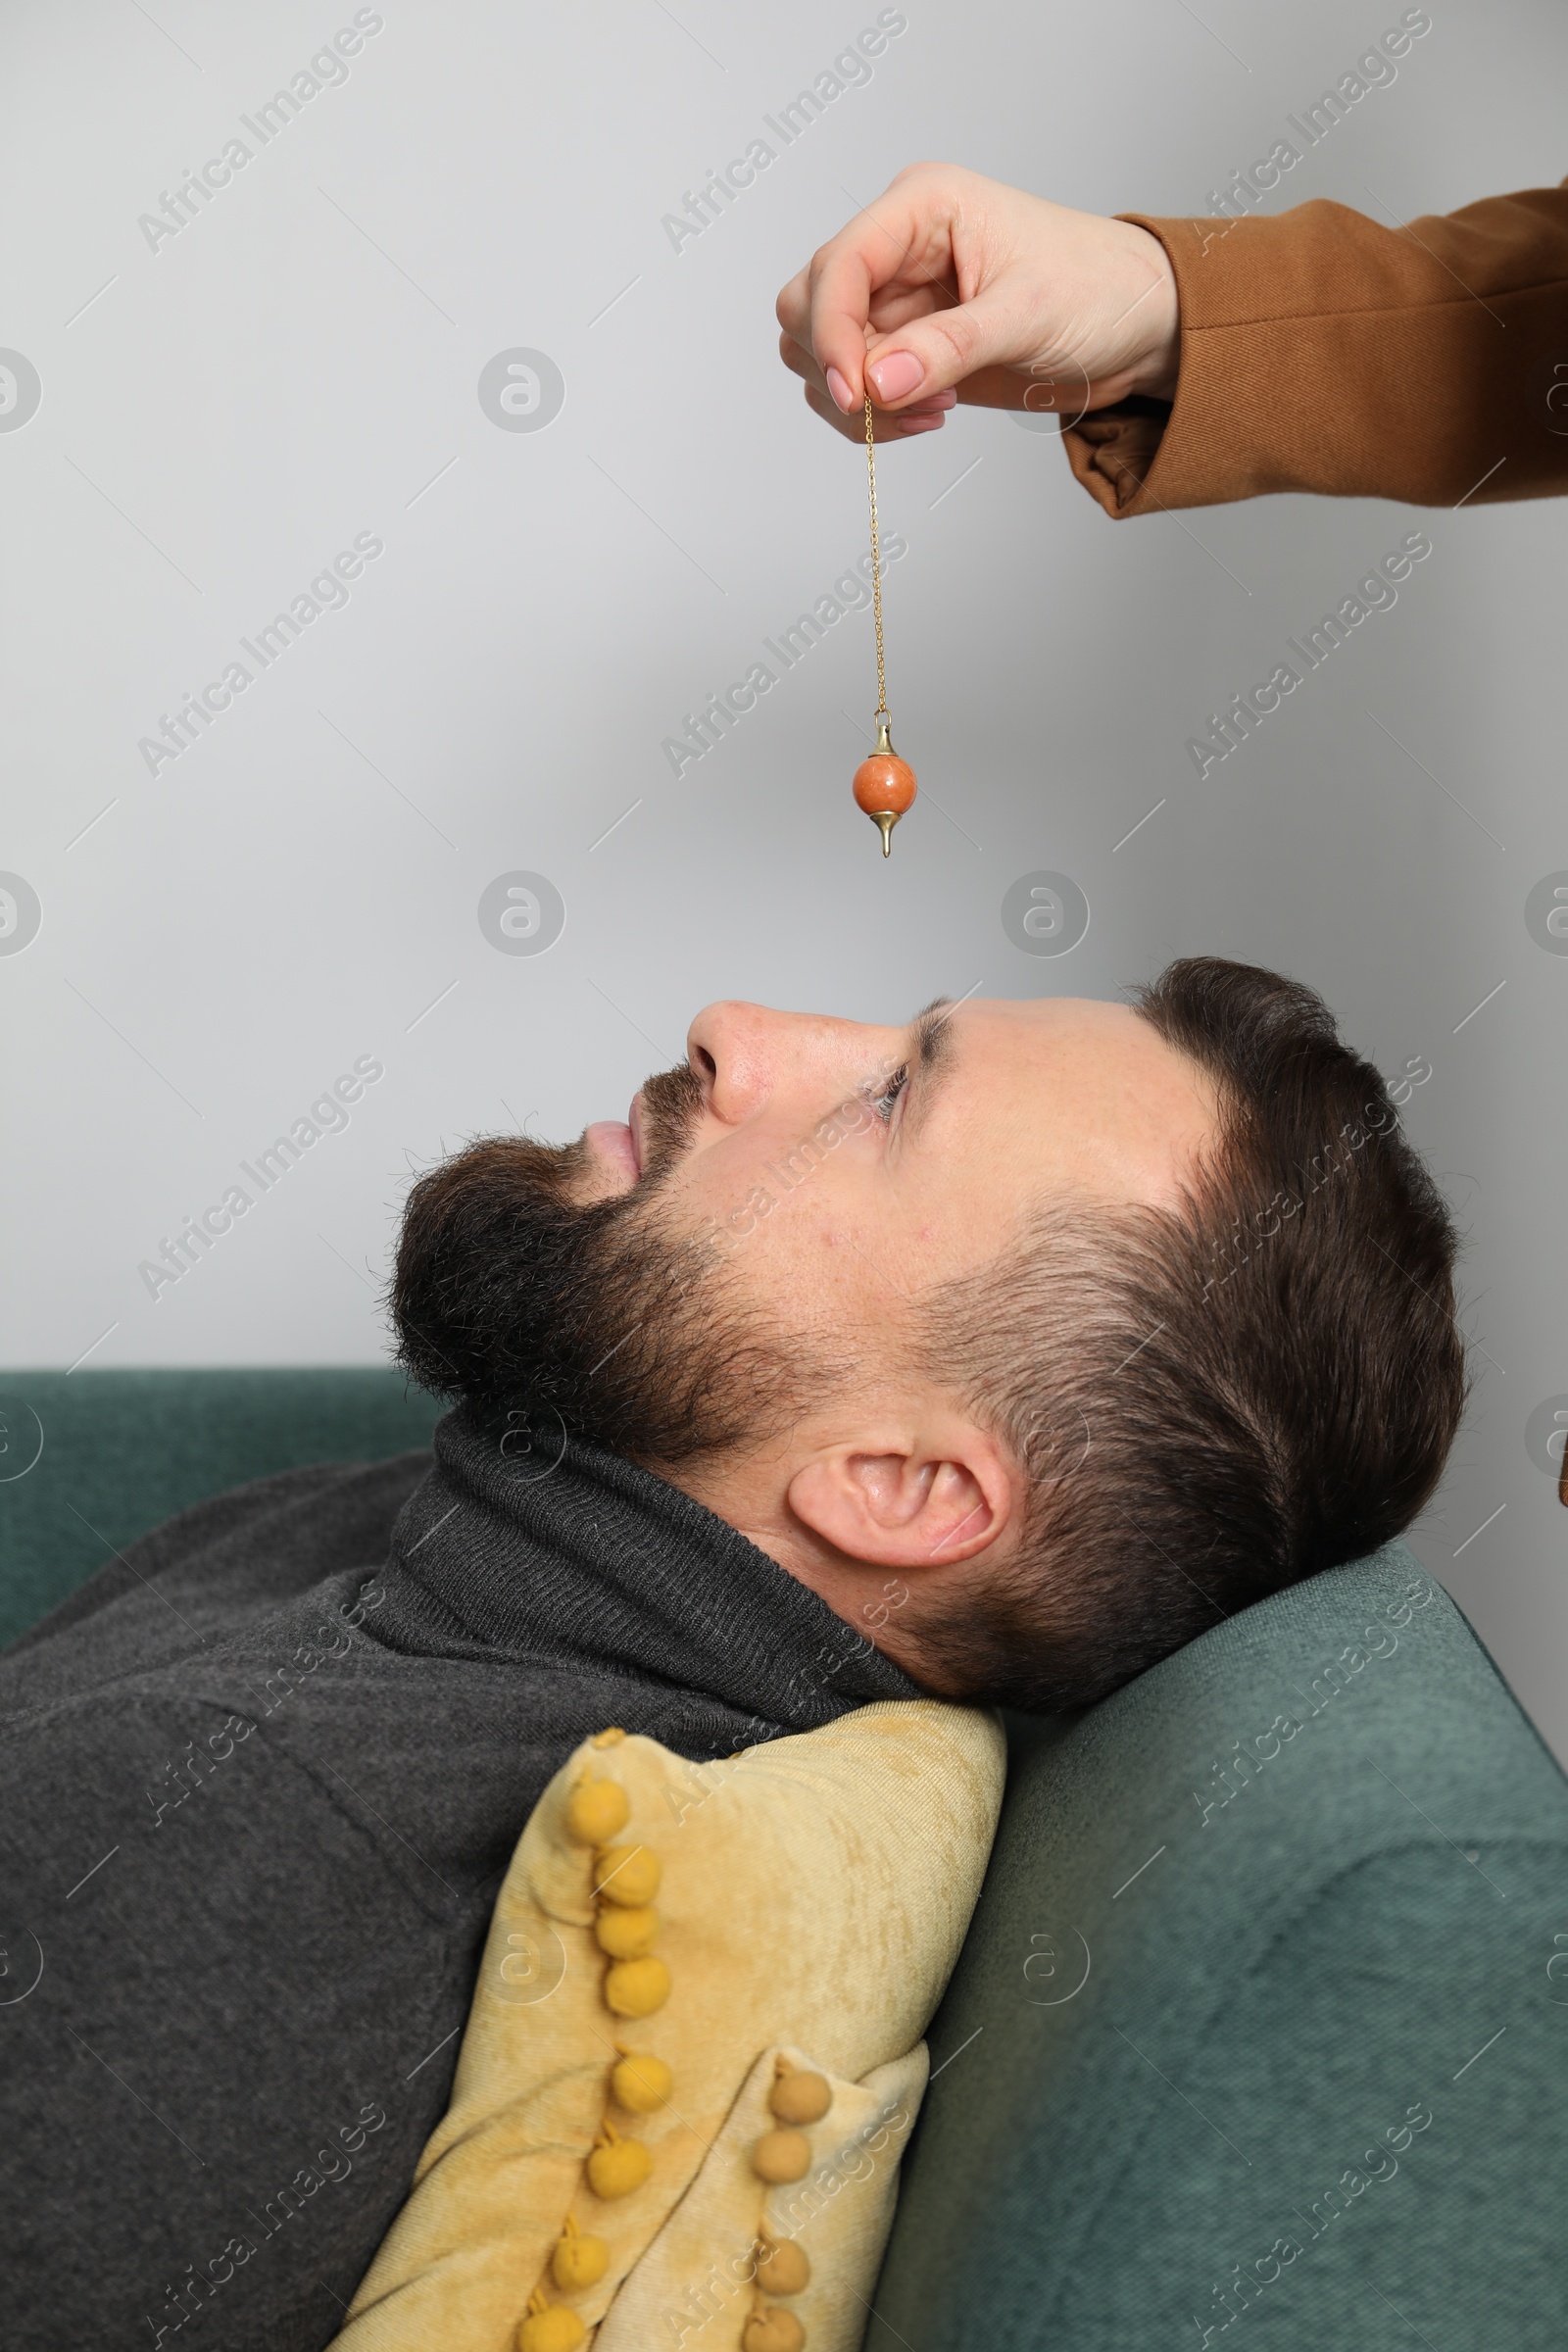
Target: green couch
{"type": "Point", "coordinates": [1262, 2020]}
{"type": "Point", "coordinates": [88, 1460]}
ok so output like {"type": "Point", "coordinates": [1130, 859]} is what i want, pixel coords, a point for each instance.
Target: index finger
{"type": "Point", "coordinates": [831, 324]}
{"type": "Point", "coordinates": [828, 306]}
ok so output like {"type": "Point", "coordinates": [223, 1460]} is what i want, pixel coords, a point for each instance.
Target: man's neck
{"type": "Point", "coordinates": [566, 1550]}
{"type": "Point", "coordinates": [750, 1493]}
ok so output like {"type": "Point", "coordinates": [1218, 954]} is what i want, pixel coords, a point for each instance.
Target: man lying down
{"type": "Point", "coordinates": [996, 1358]}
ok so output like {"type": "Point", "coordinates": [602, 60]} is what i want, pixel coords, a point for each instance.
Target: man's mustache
{"type": "Point", "coordinates": [672, 1105]}
{"type": "Point", "coordinates": [501, 1174]}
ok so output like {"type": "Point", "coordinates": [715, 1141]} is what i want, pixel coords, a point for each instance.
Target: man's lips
{"type": "Point", "coordinates": [619, 1142]}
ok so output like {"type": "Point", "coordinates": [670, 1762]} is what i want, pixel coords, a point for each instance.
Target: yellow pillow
{"type": "Point", "coordinates": [714, 2264]}
{"type": "Point", "coordinates": [800, 1909]}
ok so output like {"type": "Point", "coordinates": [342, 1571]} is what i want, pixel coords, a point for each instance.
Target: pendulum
{"type": "Point", "coordinates": [884, 784]}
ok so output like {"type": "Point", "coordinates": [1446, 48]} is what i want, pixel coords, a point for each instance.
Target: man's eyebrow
{"type": "Point", "coordinates": [930, 1057]}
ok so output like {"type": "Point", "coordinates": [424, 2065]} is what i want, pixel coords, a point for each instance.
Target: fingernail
{"type": "Point", "coordinates": [840, 390]}
{"type": "Point", "coordinates": [919, 424]}
{"type": "Point", "coordinates": [896, 374]}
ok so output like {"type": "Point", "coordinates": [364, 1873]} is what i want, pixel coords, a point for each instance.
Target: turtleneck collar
{"type": "Point", "coordinates": [539, 1545]}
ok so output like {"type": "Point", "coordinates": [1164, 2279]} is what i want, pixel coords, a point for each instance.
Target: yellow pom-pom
{"type": "Point", "coordinates": [627, 1873]}
{"type": "Point", "coordinates": [782, 2156]}
{"type": "Point", "coordinates": [641, 2083]}
{"type": "Point", "coordinates": [616, 2166]}
{"type": "Point", "coordinates": [627, 1935]}
{"type": "Point", "coordinates": [596, 1811]}
{"type": "Point", "coordinates": [556, 2328]}
{"type": "Point", "coordinates": [798, 2097]}
{"type": "Point", "coordinates": [579, 2258]}
{"type": "Point", "coordinates": [637, 1988]}
{"type": "Point", "coordinates": [784, 2268]}
{"type": "Point", "coordinates": [773, 2330]}
{"type": "Point", "coordinates": [612, 1738]}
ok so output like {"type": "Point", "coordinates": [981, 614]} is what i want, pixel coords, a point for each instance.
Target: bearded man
{"type": "Point", "coordinates": [996, 1357]}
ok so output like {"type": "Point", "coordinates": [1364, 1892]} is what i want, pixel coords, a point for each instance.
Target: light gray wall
{"type": "Point", "coordinates": [300, 363]}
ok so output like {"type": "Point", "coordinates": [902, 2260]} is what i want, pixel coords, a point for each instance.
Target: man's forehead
{"type": "Point", "coordinates": [1037, 1009]}
{"type": "Point", "coordinates": [1093, 1040]}
{"type": "Point", "coordinates": [1052, 1020]}
{"type": "Point", "coordinates": [1088, 1090]}
{"type": "Point", "coordinates": [1041, 1012]}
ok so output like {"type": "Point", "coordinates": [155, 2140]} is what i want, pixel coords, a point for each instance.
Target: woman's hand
{"type": "Point", "coordinates": [953, 287]}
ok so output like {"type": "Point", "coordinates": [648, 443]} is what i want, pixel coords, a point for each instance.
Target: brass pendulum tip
{"type": "Point", "coordinates": [885, 819]}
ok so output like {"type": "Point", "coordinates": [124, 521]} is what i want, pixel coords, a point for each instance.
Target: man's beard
{"type": "Point", "coordinates": [514, 1298]}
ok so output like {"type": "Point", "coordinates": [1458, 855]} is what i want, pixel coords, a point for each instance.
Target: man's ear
{"type": "Point", "coordinates": [911, 1499]}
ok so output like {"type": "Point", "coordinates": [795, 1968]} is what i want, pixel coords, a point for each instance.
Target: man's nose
{"type": "Point", "coordinates": [746, 1054]}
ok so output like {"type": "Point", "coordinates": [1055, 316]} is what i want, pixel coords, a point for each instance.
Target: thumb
{"type": "Point", "coordinates": [933, 353]}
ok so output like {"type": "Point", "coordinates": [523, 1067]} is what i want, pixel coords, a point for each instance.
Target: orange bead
{"type": "Point", "coordinates": [884, 784]}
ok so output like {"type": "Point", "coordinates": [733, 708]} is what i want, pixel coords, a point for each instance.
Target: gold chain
{"type": "Point", "coordinates": [876, 563]}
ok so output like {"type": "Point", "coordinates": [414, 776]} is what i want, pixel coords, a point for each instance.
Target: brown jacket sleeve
{"type": "Point", "coordinates": [1323, 351]}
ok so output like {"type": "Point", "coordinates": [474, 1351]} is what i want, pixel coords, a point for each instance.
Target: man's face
{"type": "Point", "coordinates": [756, 1242]}
{"type": "Point", "coordinates": [844, 1168]}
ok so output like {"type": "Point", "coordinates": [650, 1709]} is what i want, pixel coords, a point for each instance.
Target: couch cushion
{"type": "Point", "coordinates": [1253, 2021]}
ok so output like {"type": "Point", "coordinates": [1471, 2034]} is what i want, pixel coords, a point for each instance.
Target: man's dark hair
{"type": "Point", "coordinates": [1215, 1401]}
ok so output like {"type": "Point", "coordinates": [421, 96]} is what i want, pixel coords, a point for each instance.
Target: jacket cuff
{"type": "Point", "coordinates": [1143, 456]}
{"type": "Point", "coordinates": [1322, 352]}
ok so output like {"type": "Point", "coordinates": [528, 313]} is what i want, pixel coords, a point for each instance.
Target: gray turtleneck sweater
{"type": "Point", "coordinates": [266, 1773]}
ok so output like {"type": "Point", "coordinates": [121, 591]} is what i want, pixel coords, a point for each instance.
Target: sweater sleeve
{"type": "Point", "coordinates": [1323, 351]}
